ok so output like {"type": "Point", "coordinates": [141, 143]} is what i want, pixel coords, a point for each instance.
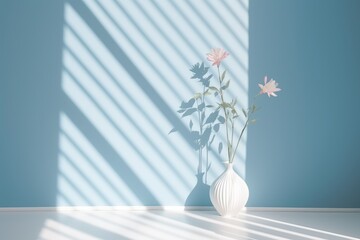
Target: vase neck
{"type": "Point", "coordinates": [229, 166]}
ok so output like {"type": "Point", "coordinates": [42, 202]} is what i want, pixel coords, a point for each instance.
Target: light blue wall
{"type": "Point", "coordinates": [64, 143]}
{"type": "Point", "coordinates": [124, 74]}
{"type": "Point", "coordinates": [91, 90]}
{"type": "Point", "coordinates": [304, 150]}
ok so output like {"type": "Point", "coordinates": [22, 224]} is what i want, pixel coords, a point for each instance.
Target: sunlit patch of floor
{"type": "Point", "coordinates": [156, 224]}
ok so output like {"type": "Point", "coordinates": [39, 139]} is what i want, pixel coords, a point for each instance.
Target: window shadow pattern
{"type": "Point", "coordinates": [125, 72]}
{"type": "Point", "coordinates": [185, 225]}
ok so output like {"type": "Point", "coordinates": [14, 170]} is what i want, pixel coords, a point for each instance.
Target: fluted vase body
{"type": "Point", "coordinates": [229, 193]}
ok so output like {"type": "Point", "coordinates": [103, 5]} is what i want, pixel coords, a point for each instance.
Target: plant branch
{"type": "Point", "coordinates": [232, 136]}
{"type": "Point", "coordinates": [226, 116]}
{"type": "Point", "coordinates": [242, 132]}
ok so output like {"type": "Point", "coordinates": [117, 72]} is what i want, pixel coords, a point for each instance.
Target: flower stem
{"type": "Point", "coordinates": [237, 144]}
{"type": "Point", "coordinates": [232, 135]}
{"type": "Point", "coordinates": [245, 125]}
{"type": "Point", "coordinates": [226, 117]}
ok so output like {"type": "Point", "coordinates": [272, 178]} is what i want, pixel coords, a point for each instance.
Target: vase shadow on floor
{"type": "Point", "coordinates": [199, 196]}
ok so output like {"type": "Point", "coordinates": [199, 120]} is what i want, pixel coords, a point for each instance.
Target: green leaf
{"type": "Point", "coordinates": [197, 95]}
{"type": "Point", "coordinates": [225, 105]}
{"type": "Point", "coordinates": [233, 102]}
{"type": "Point", "coordinates": [172, 130]}
{"type": "Point", "coordinates": [244, 112]}
{"type": "Point", "coordinates": [214, 88]}
{"type": "Point", "coordinates": [253, 108]}
{"type": "Point", "coordinates": [191, 124]}
{"type": "Point", "coordinates": [221, 119]}
{"type": "Point", "coordinates": [226, 85]}
{"type": "Point", "coordinates": [223, 75]}
{"type": "Point", "coordinates": [181, 111]}
{"type": "Point", "coordinates": [216, 93]}
{"type": "Point", "coordinates": [220, 147]}
{"type": "Point", "coordinates": [212, 117]}
{"type": "Point", "coordinates": [189, 112]}
{"type": "Point", "coordinates": [207, 92]}
{"type": "Point", "coordinates": [209, 106]}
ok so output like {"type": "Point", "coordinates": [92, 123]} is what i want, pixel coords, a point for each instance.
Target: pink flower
{"type": "Point", "coordinates": [269, 87]}
{"type": "Point", "coordinates": [216, 55]}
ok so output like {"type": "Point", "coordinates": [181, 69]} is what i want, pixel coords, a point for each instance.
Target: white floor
{"type": "Point", "coordinates": [191, 225]}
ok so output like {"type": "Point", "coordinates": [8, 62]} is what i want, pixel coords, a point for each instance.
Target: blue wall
{"type": "Point", "coordinates": [91, 90]}
{"type": "Point", "coordinates": [304, 150]}
{"type": "Point", "coordinates": [30, 63]}
{"type": "Point", "coordinates": [72, 131]}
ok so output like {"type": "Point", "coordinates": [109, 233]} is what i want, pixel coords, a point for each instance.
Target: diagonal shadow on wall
{"type": "Point", "coordinates": [130, 67]}
{"type": "Point", "coordinates": [108, 152]}
{"type": "Point", "coordinates": [95, 89]}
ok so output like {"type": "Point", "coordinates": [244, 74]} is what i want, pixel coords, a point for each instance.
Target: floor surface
{"type": "Point", "coordinates": [187, 225]}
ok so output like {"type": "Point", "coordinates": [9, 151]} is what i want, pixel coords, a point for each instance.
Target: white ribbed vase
{"type": "Point", "coordinates": [229, 193]}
